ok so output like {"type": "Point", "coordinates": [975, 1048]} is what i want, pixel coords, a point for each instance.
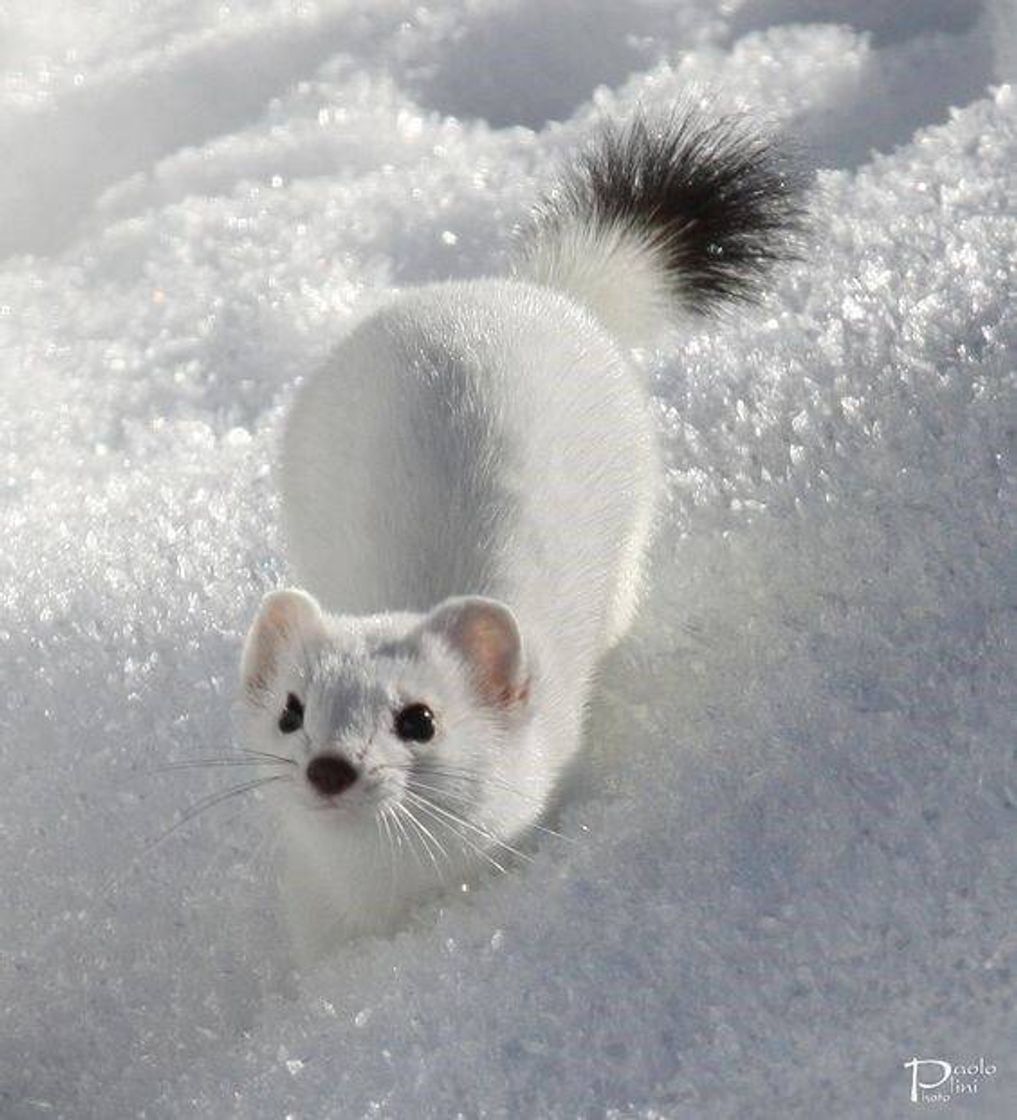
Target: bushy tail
{"type": "Point", "coordinates": [661, 216]}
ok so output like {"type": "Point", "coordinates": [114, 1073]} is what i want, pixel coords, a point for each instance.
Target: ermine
{"type": "Point", "coordinates": [469, 486]}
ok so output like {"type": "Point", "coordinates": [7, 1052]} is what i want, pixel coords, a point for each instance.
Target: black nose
{"type": "Point", "coordinates": [330, 774]}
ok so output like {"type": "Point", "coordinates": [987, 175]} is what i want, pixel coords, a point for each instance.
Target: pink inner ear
{"type": "Point", "coordinates": [485, 634]}
{"type": "Point", "coordinates": [284, 617]}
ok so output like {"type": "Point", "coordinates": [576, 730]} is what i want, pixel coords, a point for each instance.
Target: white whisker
{"type": "Point", "coordinates": [463, 837]}
{"type": "Point", "coordinates": [383, 813]}
{"type": "Point", "coordinates": [427, 835]}
{"type": "Point", "coordinates": [208, 763]}
{"type": "Point", "coordinates": [196, 809]}
{"type": "Point", "coordinates": [456, 819]}
{"type": "Point", "coordinates": [476, 779]}
{"type": "Point", "coordinates": [408, 837]}
{"type": "Point", "coordinates": [469, 801]}
{"type": "Point", "coordinates": [268, 754]}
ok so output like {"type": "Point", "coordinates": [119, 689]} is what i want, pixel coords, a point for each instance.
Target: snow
{"type": "Point", "coordinates": [791, 857]}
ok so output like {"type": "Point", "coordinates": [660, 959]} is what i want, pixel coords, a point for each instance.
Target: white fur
{"type": "Point", "coordinates": [617, 271]}
{"type": "Point", "coordinates": [487, 438]}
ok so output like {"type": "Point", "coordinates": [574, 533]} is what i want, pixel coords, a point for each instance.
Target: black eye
{"type": "Point", "coordinates": [292, 718]}
{"type": "Point", "coordinates": [415, 723]}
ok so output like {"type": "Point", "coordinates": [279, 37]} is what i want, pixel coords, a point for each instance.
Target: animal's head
{"type": "Point", "coordinates": [414, 724]}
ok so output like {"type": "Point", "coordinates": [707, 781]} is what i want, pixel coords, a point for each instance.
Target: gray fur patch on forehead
{"type": "Point", "coordinates": [384, 635]}
{"type": "Point", "coordinates": [347, 690]}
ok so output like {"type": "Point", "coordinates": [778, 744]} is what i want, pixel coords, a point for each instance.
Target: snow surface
{"type": "Point", "coordinates": [793, 853]}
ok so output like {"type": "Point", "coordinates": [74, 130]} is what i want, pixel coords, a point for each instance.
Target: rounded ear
{"type": "Point", "coordinates": [485, 634]}
{"type": "Point", "coordinates": [284, 617]}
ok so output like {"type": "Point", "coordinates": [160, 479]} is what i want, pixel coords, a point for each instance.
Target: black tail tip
{"type": "Point", "coordinates": [720, 200]}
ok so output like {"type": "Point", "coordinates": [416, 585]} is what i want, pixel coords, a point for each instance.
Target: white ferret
{"type": "Point", "coordinates": [469, 486]}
